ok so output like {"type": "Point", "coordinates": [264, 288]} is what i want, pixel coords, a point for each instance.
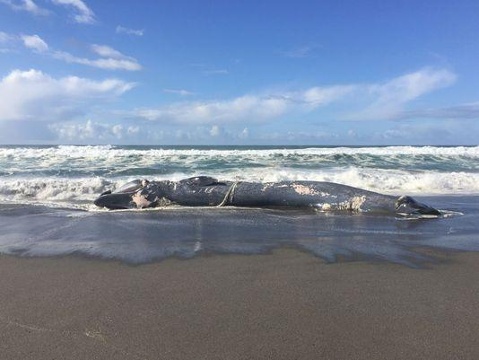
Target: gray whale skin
{"type": "Point", "coordinates": [208, 191]}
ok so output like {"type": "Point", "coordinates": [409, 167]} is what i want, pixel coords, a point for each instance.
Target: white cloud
{"type": "Point", "coordinates": [415, 132]}
{"type": "Point", "coordinates": [94, 132]}
{"type": "Point", "coordinates": [34, 95]}
{"type": "Point", "coordinates": [319, 96]}
{"type": "Point", "coordinates": [5, 38]}
{"type": "Point", "coordinates": [84, 15]}
{"type": "Point", "coordinates": [110, 59]}
{"type": "Point", "coordinates": [248, 107]}
{"type": "Point", "coordinates": [87, 131]}
{"type": "Point", "coordinates": [34, 42]}
{"type": "Point", "coordinates": [102, 63]}
{"type": "Point", "coordinates": [410, 86]}
{"type": "Point", "coordinates": [133, 130]}
{"type": "Point", "coordinates": [252, 108]}
{"type": "Point", "coordinates": [25, 5]}
{"type": "Point", "coordinates": [201, 135]}
{"type": "Point", "coordinates": [91, 131]}
{"type": "Point", "coordinates": [244, 134]}
{"type": "Point", "coordinates": [215, 131]}
{"type": "Point", "coordinates": [128, 31]}
{"type": "Point", "coordinates": [107, 51]}
{"type": "Point", "coordinates": [180, 92]}
{"type": "Point", "coordinates": [388, 100]}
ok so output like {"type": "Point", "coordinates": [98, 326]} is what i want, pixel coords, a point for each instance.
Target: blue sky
{"type": "Point", "coordinates": [239, 72]}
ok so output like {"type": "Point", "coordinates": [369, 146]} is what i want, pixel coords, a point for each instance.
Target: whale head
{"type": "Point", "coordinates": [123, 198]}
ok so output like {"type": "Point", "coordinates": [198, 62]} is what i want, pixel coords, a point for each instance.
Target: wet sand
{"type": "Point", "coordinates": [287, 305]}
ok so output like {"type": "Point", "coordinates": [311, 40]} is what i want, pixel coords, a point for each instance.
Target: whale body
{"type": "Point", "coordinates": [208, 191]}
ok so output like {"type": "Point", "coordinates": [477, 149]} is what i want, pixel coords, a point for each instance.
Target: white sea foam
{"type": "Point", "coordinates": [383, 181]}
{"type": "Point", "coordinates": [105, 153]}
{"type": "Point", "coordinates": [52, 191]}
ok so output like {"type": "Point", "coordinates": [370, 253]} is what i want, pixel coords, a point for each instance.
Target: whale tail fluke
{"type": "Point", "coordinates": [408, 207]}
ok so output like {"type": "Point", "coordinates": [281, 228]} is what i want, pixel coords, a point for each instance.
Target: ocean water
{"type": "Point", "coordinates": [47, 193]}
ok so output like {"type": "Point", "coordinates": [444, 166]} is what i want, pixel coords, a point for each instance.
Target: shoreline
{"type": "Point", "coordinates": [283, 305]}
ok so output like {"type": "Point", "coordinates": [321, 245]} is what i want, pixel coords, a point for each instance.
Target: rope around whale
{"type": "Point", "coordinates": [229, 195]}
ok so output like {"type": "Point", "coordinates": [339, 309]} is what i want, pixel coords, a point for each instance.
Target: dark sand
{"type": "Point", "coordinates": [288, 305]}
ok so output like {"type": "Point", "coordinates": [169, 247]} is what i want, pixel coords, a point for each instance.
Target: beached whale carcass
{"type": "Point", "coordinates": [208, 191]}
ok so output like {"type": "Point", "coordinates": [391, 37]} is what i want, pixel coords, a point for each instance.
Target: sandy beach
{"type": "Point", "coordinates": [286, 305]}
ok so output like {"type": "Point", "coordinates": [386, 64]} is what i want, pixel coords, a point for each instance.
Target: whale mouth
{"type": "Point", "coordinates": [114, 201]}
{"type": "Point", "coordinates": [406, 206]}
